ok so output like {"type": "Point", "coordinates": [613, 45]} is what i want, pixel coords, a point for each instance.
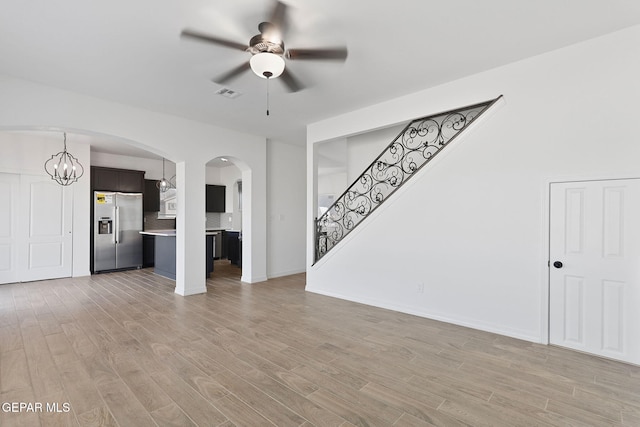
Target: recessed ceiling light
{"type": "Point", "coordinates": [224, 159]}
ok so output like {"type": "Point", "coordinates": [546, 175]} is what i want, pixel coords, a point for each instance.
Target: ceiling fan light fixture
{"type": "Point", "coordinates": [267, 65]}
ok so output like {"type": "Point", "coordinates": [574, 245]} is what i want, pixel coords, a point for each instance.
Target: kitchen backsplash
{"type": "Point", "coordinates": [151, 222]}
{"type": "Point", "coordinates": [214, 220]}
{"type": "Point", "coordinates": [219, 220]}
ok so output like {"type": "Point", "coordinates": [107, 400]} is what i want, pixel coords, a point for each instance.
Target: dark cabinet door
{"type": "Point", "coordinates": [104, 179]}
{"type": "Point", "coordinates": [233, 247]}
{"type": "Point", "coordinates": [148, 250]}
{"type": "Point", "coordinates": [223, 245]}
{"type": "Point", "coordinates": [110, 179]}
{"type": "Point", "coordinates": [216, 198]}
{"type": "Point", "coordinates": [151, 196]}
{"type": "Point", "coordinates": [209, 244]}
{"type": "Point", "coordinates": [130, 181]}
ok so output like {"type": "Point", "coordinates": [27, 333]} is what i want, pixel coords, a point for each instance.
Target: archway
{"type": "Point", "coordinates": [189, 143]}
{"type": "Point", "coordinates": [231, 172]}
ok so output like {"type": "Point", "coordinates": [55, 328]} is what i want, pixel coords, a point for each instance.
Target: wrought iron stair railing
{"type": "Point", "coordinates": [414, 147]}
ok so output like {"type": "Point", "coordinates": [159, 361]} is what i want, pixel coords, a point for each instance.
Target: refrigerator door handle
{"type": "Point", "coordinates": [117, 227]}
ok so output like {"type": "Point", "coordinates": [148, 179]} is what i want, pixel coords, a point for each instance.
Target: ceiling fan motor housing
{"type": "Point", "coordinates": [266, 41]}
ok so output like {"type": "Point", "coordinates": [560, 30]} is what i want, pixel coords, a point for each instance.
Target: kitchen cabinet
{"type": "Point", "coordinates": [216, 198]}
{"type": "Point", "coordinates": [223, 245]}
{"type": "Point", "coordinates": [210, 242]}
{"type": "Point", "coordinates": [217, 249]}
{"type": "Point", "coordinates": [148, 250]}
{"type": "Point", "coordinates": [131, 181]}
{"type": "Point", "coordinates": [165, 253]}
{"type": "Point", "coordinates": [123, 180]}
{"type": "Point", "coordinates": [104, 179]}
{"type": "Point", "coordinates": [164, 242]}
{"type": "Point", "coordinates": [151, 196]}
{"type": "Point", "coordinates": [234, 247]}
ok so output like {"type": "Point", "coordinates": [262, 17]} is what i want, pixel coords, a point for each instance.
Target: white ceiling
{"type": "Point", "coordinates": [130, 51]}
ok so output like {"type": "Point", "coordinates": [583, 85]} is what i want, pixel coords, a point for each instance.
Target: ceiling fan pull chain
{"type": "Point", "coordinates": [267, 75]}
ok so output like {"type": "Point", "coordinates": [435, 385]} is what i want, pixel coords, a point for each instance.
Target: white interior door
{"type": "Point", "coordinates": [45, 229]}
{"type": "Point", "coordinates": [594, 303]}
{"type": "Point", "coordinates": [9, 185]}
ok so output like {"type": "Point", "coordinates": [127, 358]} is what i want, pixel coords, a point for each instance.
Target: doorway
{"type": "Point", "coordinates": [594, 267]}
{"type": "Point", "coordinates": [35, 229]}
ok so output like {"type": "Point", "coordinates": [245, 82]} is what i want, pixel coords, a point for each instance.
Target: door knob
{"type": "Point", "coordinates": [557, 264]}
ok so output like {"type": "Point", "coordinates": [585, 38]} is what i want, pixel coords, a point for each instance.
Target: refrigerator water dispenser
{"type": "Point", "coordinates": [105, 226]}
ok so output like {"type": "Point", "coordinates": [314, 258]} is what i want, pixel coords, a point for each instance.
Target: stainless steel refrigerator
{"type": "Point", "coordinates": [117, 242]}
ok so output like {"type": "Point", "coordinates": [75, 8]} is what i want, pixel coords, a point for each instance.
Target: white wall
{"type": "Point", "coordinates": [26, 153]}
{"type": "Point", "coordinates": [151, 167]}
{"type": "Point", "coordinates": [286, 207]}
{"type": "Point", "coordinates": [364, 148]}
{"type": "Point", "coordinates": [229, 176]}
{"type": "Point", "coordinates": [212, 175]}
{"type": "Point", "coordinates": [472, 228]}
{"type": "Point", "coordinates": [333, 183]}
{"type": "Point", "coordinates": [26, 105]}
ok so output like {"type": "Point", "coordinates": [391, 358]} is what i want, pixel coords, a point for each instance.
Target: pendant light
{"type": "Point", "coordinates": [164, 184]}
{"type": "Point", "coordinates": [63, 167]}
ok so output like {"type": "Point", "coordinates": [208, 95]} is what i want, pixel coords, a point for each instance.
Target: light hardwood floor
{"type": "Point", "coordinates": [122, 349]}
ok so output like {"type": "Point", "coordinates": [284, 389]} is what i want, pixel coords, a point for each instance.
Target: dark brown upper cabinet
{"type": "Point", "coordinates": [216, 198]}
{"type": "Point", "coordinates": [151, 196]}
{"type": "Point", "coordinates": [111, 179]}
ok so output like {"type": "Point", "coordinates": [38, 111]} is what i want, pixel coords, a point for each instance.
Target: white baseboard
{"type": "Point", "coordinates": [287, 273]}
{"type": "Point", "coordinates": [467, 323]}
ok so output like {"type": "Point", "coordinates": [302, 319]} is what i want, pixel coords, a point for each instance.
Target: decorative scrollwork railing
{"type": "Point", "coordinates": [413, 148]}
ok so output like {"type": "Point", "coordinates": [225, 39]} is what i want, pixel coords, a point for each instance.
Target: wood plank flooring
{"type": "Point", "coordinates": [121, 349]}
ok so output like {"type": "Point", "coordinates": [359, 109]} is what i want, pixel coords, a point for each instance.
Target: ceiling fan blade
{"type": "Point", "coordinates": [278, 16]}
{"type": "Point", "coordinates": [333, 53]}
{"type": "Point", "coordinates": [231, 74]}
{"type": "Point", "coordinates": [292, 83]}
{"type": "Point", "coordinates": [212, 39]}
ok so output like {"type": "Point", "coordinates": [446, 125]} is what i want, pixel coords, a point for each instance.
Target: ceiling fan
{"type": "Point", "coordinates": [268, 53]}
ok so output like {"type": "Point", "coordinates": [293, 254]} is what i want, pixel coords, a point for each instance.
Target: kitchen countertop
{"type": "Point", "coordinates": [215, 231]}
{"type": "Point", "coordinates": [166, 233]}
{"type": "Point", "coordinates": [172, 233]}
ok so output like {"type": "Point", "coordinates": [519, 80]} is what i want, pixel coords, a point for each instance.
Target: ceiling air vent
{"type": "Point", "coordinates": [228, 93]}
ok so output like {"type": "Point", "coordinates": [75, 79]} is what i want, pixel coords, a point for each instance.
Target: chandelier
{"type": "Point", "coordinates": [63, 167]}
{"type": "Point", "coordinates": [165, 184]}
